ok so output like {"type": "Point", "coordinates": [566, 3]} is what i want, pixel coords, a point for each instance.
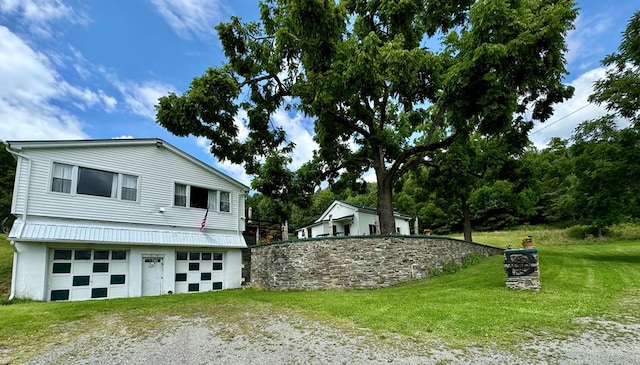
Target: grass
{"type": "Point", "coordinates": [470, 307]}
{"type": "Point", "coordinates": [6, 261]}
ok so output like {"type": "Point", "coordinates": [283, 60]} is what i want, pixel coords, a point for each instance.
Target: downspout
{"type": "Point", "coordinates": [14, 269]}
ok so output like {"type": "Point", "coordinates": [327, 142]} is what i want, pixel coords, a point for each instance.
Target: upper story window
{"type": "Point", "coordinates": [198, 197]}
{"type": "Point", "coordinates": [87, 181]}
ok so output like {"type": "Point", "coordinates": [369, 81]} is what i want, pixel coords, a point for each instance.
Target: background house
{"type": "Point", "coordinates": [347, 219]}
{"type": "Point", "coordinates": [121, 218]}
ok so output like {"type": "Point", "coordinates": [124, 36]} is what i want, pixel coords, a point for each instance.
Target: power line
{"type": "Point", "coordinates": [556, 121]}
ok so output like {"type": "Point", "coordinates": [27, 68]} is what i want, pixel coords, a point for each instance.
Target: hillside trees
{"type": "Point", "coordinates": [7, 177]}
{"type": "Point", "coordinates": [385, 82]}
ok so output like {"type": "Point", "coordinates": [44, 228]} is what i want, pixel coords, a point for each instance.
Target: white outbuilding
{"type": "Point", "coordinates": [122, 218]}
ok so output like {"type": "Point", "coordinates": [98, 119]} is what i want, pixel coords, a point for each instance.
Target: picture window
{"type": "Point", "coordinates": [96, 182]}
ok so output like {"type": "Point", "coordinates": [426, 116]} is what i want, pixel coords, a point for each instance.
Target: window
{"type": "Point", "coordinates": [99, 293]}
{"type": "Point", "coordinates": [62, 255]}
{"type": "Point", "coordinates": [206, 256]}
{"type": "Point", "coordinates": [96, 182]}
{"type": "Point", "coordinates": [190, 196]}
{"type": "Point", "coordinates": [194, 256]}
{"type": "Point", "coordinates": [217, 256]}
{"type": "Point", "coordinates": [118, 255]}
{"type": "Point", "coordinates": [82, 255]}
{"type": "Point", "coordinates": [181, 255]}
{"type": "Point", "coordinates": [117, 279]}
{"type": "Point", "coordinates": [61, 181]}
{"type": "Point", "coordinates": [61, 268]}
{"type": "Point", "coordinates": [199, 198]}
{"type": "Point", "coordinates": [194, 287]}
{"type": "Point", "coordinates": [194, 266]}
{"type": "Point", "coordinates": [129, 188]}
{"type": "Point", "coordinates": [217, 266]}
{"type": "Point", "coordinates": [217, 285]}
{"type": "Point", "coordinates": [101, 255]}
{"type": "Point", "coordinates": [100, 267]}
{"type": "Point", "coordinates": [225, 205]}
{"type": "Point", "coordinates": [59, 295]}
{"type": "Point", "coordinates": [205, 276]}
{"type": "Point", "coordinates": [87, 181]}
{"type": "Point", "coordinates": [180, 195]}
{"type": "Point", "coordinates": [372, 229]}
{"type": "Point", "coordinates": [80, 280]}
{"type": "Point", "coordinates": [181, 277]}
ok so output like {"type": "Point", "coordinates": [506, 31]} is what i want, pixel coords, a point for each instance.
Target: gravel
{"type": "Point", "coordinates": [295, 340]}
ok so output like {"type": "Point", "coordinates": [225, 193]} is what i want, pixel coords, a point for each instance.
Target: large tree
{"type": "Point", "coordinates": [384, 81]}
{"type": "Point", "coordinates": [620, 89]}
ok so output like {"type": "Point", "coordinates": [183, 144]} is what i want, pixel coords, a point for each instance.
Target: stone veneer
{"type": "Point", "coordinates": [356, 262]}
{"type": "Point", "coordinates": [521, 267]}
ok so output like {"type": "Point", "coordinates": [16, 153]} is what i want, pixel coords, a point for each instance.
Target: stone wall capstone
{"type": "Point", "coordinates": [356, 262]}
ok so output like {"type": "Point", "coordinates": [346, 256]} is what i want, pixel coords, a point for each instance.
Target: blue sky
{"type": "Point", "coordinates": [74, 69]}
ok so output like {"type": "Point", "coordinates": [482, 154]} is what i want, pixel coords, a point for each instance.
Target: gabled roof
{"type": "Point", "coordinates": [87, 143]}
{"type": "Point", "coordinates": [355, 208]}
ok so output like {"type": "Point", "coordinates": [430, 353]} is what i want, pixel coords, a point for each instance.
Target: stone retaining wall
{"type": "Point", "coordinates": [356, 262]}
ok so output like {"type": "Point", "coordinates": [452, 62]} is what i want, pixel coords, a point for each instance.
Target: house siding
{"type": "Point", "coordinates": [156, 184]}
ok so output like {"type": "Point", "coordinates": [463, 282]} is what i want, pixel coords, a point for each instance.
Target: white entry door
{"type": "Point", "coordinates": [152, 274]}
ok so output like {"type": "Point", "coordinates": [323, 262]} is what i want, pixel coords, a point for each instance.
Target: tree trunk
{"type": "Point", "coordinates": [466, 216]}
{"type": "Point", "coordinates": [385, 196]}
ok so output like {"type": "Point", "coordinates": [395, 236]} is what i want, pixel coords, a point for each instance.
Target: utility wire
{"type": "Point", "coordinates": [556, 121]}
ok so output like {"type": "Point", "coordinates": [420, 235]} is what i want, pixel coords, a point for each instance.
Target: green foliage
{"type": "Point", "coordinates": [620, 89]}
{"type": "Point", "coordinates": [378, 98]}
{"type": "Point", "coordinates": [469, 307]}
{"type": "Point", "coordinates": [8, 168]}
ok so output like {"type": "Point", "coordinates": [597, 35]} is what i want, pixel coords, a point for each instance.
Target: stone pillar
{"type": "Point", "coordinates": [521, 266]}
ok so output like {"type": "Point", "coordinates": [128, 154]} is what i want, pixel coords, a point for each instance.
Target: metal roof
{"type": "Point", "coordinates": [75, 232]}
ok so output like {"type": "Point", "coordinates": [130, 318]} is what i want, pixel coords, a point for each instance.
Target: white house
{"type": "Point", "coordinates": [347, 219]}
{"type": "Point", "coordinates": [121, 218]}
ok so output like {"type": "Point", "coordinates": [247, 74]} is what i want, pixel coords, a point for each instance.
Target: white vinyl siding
{"type": "Point", "coordinates": [155, 187]}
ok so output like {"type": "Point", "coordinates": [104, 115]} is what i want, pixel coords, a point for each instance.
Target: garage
{"type": "Point", "coordinates": [79, 274]}
{"type": "Point", "coordinates": [199, 271]}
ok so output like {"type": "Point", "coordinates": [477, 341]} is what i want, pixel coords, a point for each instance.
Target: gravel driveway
{"type": "Point", "coordinates": [295, 340]}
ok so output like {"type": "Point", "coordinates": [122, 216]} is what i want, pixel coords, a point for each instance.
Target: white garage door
{"type": "Point", "coordinates": [199, 271]}
{"type": "Point", "coordinates": [79, 274]}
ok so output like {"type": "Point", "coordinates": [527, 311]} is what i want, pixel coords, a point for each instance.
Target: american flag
{"type": "Point", "coordinates": [204, 221]}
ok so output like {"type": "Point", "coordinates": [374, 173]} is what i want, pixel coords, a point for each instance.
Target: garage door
{"type": "Point", "coordinates": [80, 274]}
{"type": "Point", "coordinates": [199, 271]}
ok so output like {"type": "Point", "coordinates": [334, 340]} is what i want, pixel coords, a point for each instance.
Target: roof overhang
{"type": "Point", "coordinates": [101, 233]}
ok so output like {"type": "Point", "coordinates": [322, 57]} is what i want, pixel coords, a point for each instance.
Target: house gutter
{"type": "Point", "coordinates": [14, 270]}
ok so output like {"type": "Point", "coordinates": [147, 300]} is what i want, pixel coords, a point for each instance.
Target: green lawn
{"type": "Point", "coordinates": [471, 306]}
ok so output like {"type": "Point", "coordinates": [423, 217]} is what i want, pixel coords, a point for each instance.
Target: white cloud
{"type": "Point", "coordinates": [190, 17]}
{"type": "Point", "coordinates": [28, 91]}
{"type": "Point", "coordinates": [141, 98]}
{"type": "Point", "coordinates": [572, 112]}
{"type": "Point", "coordinates": [37, 15]}
{"type": "Point", "coordinates": [298, 134]}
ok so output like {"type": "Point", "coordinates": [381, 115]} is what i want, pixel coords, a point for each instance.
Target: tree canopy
{"type": "Point", "coordinates": [385, 82]}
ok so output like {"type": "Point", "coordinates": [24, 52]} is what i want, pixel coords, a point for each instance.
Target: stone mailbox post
{"type": "Point", "coordinates": [521, 266]}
